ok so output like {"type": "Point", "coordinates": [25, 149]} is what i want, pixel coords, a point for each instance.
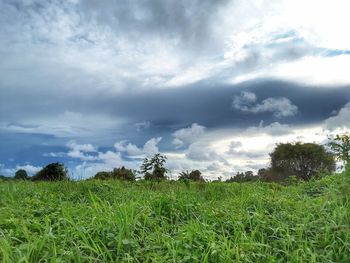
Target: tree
{"type": "Point", "coordinates": [103, 175]}
{"type": "Point", "coordinates": [117, 173]}
{"type": "Point", "coordinates": [340, 146]}
{"type": "Point", "coordinates": [123, 174]}
{"type": "Point", "coordinates": [302, 160]}
{"type": "Point", "coordinates": [21, 174]}
{"type": "Point", "coordinates": [153, 169]}
{"type": "Point", "coordinates": [52, 172]}
{"type": "Point", "coordinates": [194, 175]}
{"type": "Point", "coordinates": [240, 177]}
{"type": "Point", "coordinates": [262, 172]}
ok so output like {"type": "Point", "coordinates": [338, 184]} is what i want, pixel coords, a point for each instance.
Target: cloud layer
{"type": "Point", "coordinates": [213, 84]}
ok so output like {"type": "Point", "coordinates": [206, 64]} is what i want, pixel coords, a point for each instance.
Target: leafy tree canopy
{"type": "Point", "coordinates": [340, 146]}
{"type": "Point", "coordinates": [154, 168]}
{"type": "Point", "coordinates": [103, 175]}
{"type": "Point", "coordinates": [302, 160]}
{"type": "Point", "coordinates": [117, 173]}
{"type": "Point", "coordinates": [240, 177]}
{"type": "Point", "coordinates": [194, 175]}
{"type": "Point", "coordinates": [52, 172]}
{"type": "Point", "coordinates": [21, 174]}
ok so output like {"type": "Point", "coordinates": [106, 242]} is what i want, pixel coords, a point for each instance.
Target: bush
{"type": "Point", "coordinates": [21, 174]}
{"type": "Point", "coordinates": [248, 176]}
{"type": "Point", "coordinates": [123, 174]}
{"type": "Point", "coordinates": [52, 172]}
{"type": "Point", "coordinates": [103, 175]}
{"type": "Point", "coordinates": [194, 175]}
{"type": "Point", "coordinates": [117, 173]}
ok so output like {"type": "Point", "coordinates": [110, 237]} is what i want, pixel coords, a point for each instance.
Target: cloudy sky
{"type": "Point", "coordinates": [214, 85]}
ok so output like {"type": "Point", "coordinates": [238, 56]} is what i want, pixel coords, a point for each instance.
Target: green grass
{"type": "Point", "coordinates": [111, 221]}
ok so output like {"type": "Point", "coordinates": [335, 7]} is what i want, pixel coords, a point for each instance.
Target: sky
{"type": "Point", "coordinates": [213, 85]}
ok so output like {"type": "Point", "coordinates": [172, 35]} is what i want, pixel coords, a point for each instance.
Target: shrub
{"type": "Point", "coordinates": [123, 174]}
{"type": "Point", "coordinates": [117, 173]}
{"type": "Point", "coordinates": [21, 174]}
{"type": "Point", "coordinates": [52, 172]}
{"type": "Point", "coordinates": [248, 176]}
{"type": "Point", "coordinates": [194, 175]}
{"type": "Point", "coordinates": [103, 175]}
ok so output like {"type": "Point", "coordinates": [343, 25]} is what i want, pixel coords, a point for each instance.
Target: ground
{"type": "Point", "coordinates": [113, 221]}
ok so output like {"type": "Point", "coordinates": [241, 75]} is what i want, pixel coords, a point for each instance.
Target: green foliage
{"type": "Point", "coordinates": [21, 174]}
{"type": "Point", "coordinates": [303, 160]}
{"type": "Point", "coordinates": [5, 178]}
{"type": "Point", "coordinates": [154, 168]}
{"type": "Point", "coordinates": [103, 175]}
{"type": "Point", "coordinates": [96, 221]}
{"type": "Point", "coordinates": [194, 175]}
{"type": "Point", "coordinates": [123, 174]}
{"type": "Point", "coordinates": [52, 172]}
{"type": "Point", "coordinates": [248, 176]}
{"type": "Point", "coordinates": [340, 145]}
{"type": "Point", "coordinates": [117, 173]}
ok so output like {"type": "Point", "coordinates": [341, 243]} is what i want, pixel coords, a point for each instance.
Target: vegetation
{"type": "Point", "coordinates": [194, 175]}
{"type": "Point", "coordinates": [305, 220]}
{"type": "Point", "coordinates": [154, 168]}
{"type": "Point", "coordinates": [103, 175]}
{"type": "Point", "coordinates": [21, 174]}
{"type": "Point", "coordinates": [114, 221]}
{"type": "Point", "coordinates": [244, 177]}
{"type": "Point", "coordinates": [117, 173]}
{"type": "Point", "coordinates": [5, 178]}
{"type": "Point", "coordinates": [52, 172]}
{"type": "Point", "coordinates": [303, 160]}
{"type": "Point", "coordinates": [340, 145]}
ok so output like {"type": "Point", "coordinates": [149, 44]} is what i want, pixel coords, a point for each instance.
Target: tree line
{"type": "Point", "coordinates": [299, 161]}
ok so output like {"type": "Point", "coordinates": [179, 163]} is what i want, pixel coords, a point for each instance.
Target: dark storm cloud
{"type": "Point", "coordinates": [168, 109]}
{"type": "Point", "coordinates": [211, 106]}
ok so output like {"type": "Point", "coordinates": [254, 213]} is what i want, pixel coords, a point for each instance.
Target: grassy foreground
{"type": "Point", "coordinates": [111, 221]}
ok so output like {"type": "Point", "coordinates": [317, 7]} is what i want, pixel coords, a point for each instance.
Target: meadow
{"type": "Point", "coordinates": [145, 221]}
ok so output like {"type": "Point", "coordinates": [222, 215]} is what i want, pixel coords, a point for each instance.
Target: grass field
{"type": "Point", "coordinates": [111, 221]}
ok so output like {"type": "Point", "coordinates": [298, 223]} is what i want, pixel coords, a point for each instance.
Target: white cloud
{"type": "Point", "coordinates": [55, 154]}
{"type": "Point", "coordinates": [310, 70]}
{"type": "Point", "coordinates": [129, 148]}
{"type": "Point", "coordinates": [149, 148]}
{"type": "Point", "coordinates": [110, 158]}
{"type": "Point", "coordinates": [79, 151]}
{"type": "Point", "coordinates": [339, 122]}
{"type": "Point", "coordinates": [280, 107]}
{"type": "Point", "coordinates": [188, 135]}
{"type": "Point", "coordinates": [274, 129]}
{"type": "Point", "coordinates": [81, 155]}
{"type": "Point", "coordinates": [202, 151]}
{"type": "Point", "coordinates": [65, 125]}
{"type": "Point", "coordinates": [81, 147]}
{"type": "Point", "coordinates": [322, 23]}
{"type": "Point", "coordinates": [244, 101]}
{"type": "Point", "coordinates": [30, 169]}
